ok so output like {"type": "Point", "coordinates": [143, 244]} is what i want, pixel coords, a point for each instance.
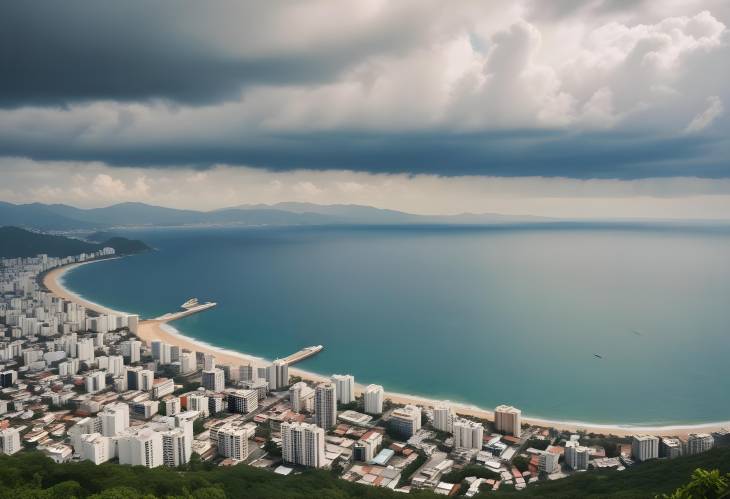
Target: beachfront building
{"type": "Point", "coordinates": [277, 374]}
{"type": "Point", "coordinates": [467, 434]}
{"type": "Point", "coordinates": [242, 401]}
{"type": "Point", "coordinates": [406, 421]}
{"type": "Point", "coordinates": [373, 399]}
{"type": "Point", "coordinates": [301, 397]}
{"type": "Point", "coordinates": [507, 419]}
{"type": "Point", "coordinates": [670, 447]}
{"type": "Point", "coordinates": [214, 379]}
{"type": "Point", "coordinates": [187, 362]}
{"type": "Point", "coordinates": [302, 444]}
{"type": "Point", "coordinates": [645, 447]}
{"type": "Point", "coordinates": [345, 384]}
{"type": "Point", "coordinates": [9, 441]}
{"type": "Point", "coordinates": [325, 405]}
{"type": "Point", "coordinates": [233, 442]}
{"type": "Point", "coordinates": [576, 456]}
{"type": "Point", "coordinates": [443, 416]}
{"type": "Point", "coordinates": [699, 442]}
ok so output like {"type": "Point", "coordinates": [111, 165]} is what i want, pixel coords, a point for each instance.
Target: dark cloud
{"type": "Point", "coordinates": [55, 53]}
{"type": "Point", "coordinates": [508, 153]}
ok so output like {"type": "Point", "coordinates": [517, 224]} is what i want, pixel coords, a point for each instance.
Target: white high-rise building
{"type": "Point", "coordinates": [277, 374]}
{"type": "Point", "coordinates": [187, 362]}
{"type": "Point", "coordinates": [645, 447]}
{"type": "Point", "coordinates": [132, 349]}
{"type": "Point", "coordinates": [172, 405]}
{"type": "Point", "coordinates": [345, 384]}
{"type": "Point", "coordinates": [95, 447]}
{"type": "Point", "coordinates": [95, 381]}
{"type": "Point", "coordinates": [373, 399]}
{"type": "Point", "coordinates": [85, 350]}
{"type": "Point", "coordinates": [406, 421]}
{"type": "Point", "coordinates": [242, 401]}
{"type": "Point", "coordinates": [198, 402]}
{"type": "Point", "coordinates": [508, 420]}
{"type": "Point", "coordinates": [443, 417]}
{"type": "Point", "coordinates": [9, 441]}
{"type": "Point", "coordinates": [114, 364]}
{"type": "Point", "coordinates": [114, 419]}
{"type": "Point", "coordinates": [576, 456]}
{"type": "Point", "coordinates": [161, 352]}
{"type": "Point", "coordinates": [699, 442]}
{"type": "Point", "coordinates": [670, 447]}
{"type": "Point", "coordinates": [141, 448]}
{"type": "Point", "coordinates": [214, 380]}
{"type": "Point", "coordinates": [233, 443]}
{"type": "Point", "coordinates": [549, 462]}
{"type": "Point", "coordinates": [176, 450]}
{"type": "Point", "coordinates": [366, 448]}
{"type": "Point", "coordinates": [302, 444]}
{"type": "Point", "coordinates": [467, 434]}
{"type": "Point", "coordinates": [325, 405]}
{"type": "Point", "coordinates": [208, 362]}
{"type": "Point", "coordinates": [301, 396]}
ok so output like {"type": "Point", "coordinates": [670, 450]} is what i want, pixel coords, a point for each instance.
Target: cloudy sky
{"type": "Point", "coordinates": [607, 108]}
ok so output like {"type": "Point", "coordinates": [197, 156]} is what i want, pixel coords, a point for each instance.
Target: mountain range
{"type": "Point", "coordinates": [61, 217]}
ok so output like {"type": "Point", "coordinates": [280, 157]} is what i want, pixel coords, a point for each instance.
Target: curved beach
{"type": "Point", "coordinates": [156, 329]}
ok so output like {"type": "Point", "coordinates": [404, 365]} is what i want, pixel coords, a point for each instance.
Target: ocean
{"type": "Point", "coordinates": [611, 324]}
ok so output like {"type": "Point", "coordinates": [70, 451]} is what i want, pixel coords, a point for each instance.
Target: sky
{"type": "Point", "coordinates": [593, 108]}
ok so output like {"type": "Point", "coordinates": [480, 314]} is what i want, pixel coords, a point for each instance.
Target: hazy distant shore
{"type": "Point", "coordinates": [155, 329]}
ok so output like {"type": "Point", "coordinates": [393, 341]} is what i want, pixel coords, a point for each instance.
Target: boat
{"type": "Point", "coordinates": [192, 302]}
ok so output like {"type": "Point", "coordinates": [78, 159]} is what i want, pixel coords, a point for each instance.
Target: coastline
{"type": "Point", "coordinates": [156, 329]}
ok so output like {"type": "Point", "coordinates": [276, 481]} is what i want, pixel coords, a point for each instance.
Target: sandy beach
{"type": "Point", "coordinates": [155, 329]}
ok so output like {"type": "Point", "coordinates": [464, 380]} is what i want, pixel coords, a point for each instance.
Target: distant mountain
{"type": "Point", "coordinates": [60, 217]}
{"type": "Point", "coordinates": [16, 242]}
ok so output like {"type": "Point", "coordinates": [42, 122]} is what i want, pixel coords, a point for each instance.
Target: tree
{"type": "Point", "coordinates": [704, 484]}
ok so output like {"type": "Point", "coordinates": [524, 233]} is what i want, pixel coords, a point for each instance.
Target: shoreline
{"type": "Point", "coordinates": [156, 329]}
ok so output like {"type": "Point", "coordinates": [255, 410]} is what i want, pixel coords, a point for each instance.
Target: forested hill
{"type": "Point", "coordinates": [30, 474]}
{"type": "Point", "coordinates": [16, 242]}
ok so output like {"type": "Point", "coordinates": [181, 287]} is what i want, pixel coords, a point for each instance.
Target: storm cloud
{"type": "Point", "coordinates": [597, 89]}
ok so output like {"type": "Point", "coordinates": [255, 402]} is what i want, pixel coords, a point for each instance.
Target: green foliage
{"type": "Point", "coordinates": [198, 426]}
{"type": "Point", "coordinates": [409, 470]}
{"type": "Point", "coordinates": [705, 484]}
{"type": "Point", "coordinates": [644, 480]}
{"type": "Point", "coordinates": [458, 476]}
{"type": "Point", "coordinates": [521, 463]}
{"type": "Point", "coordinates": [18, 242]}
{"type": "Point", "coordinates": [538, 444]}
{"type": "Point", "coordinates": [32, 475]}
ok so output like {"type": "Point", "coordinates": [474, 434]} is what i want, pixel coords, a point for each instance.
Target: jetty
{"type": "Point", "coordinates": [302, 354]}
{"type": "Point", "coordinates": [188, 308]}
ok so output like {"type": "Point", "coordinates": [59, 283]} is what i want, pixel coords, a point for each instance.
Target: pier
{"type": "Point", "coordinates": [173, 316]}
{"type": "Point", "coordinates": [302, 354]}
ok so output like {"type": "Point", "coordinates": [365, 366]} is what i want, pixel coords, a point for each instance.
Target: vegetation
{"type": "Point", "coordinates": [522, 463]}
{"type": "Point", "coordinates": [31, 475]}
{"type": "Point", "coordinates": [409, 470]}
{"type": "Point", "coordinates": [18, 242]}
{"type": "Point", "coordinates": [704, 483]}
{"type": "Point", "coordinates": [458, 476]}
{"type": "Point", "coordinates": [643, 480]}
{"type": "Point", "coordinates": [536, 443]}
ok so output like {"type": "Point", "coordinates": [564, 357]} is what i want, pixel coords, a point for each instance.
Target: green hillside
{"type": "Point", "coordinates": [16, 242]}
{"type": "Point", "coordinates": [30, 474]}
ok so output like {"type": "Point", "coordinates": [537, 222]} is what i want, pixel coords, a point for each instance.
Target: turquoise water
{"type": "Point", "coordinates": [482, 315]}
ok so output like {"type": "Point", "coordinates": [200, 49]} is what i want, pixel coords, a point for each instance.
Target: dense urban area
{"type": "Point", "coordinates": [81, 386]}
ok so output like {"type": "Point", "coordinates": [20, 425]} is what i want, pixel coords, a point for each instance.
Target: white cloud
{"type": "Point", "coordinates": [95, 184]}
{"type": "Point", "coordinates": [714, 109]}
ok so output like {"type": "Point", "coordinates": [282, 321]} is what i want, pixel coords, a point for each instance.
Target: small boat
{"type": "Point", "coordinates": [597, 356]}
{"type": "Point", "coordinates": [192, 302]}
{"type": "Point", "coordinates": [636, 332]}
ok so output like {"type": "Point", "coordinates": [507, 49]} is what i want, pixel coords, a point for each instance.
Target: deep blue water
{"type": "Point", "coordinates": [482, 315]}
